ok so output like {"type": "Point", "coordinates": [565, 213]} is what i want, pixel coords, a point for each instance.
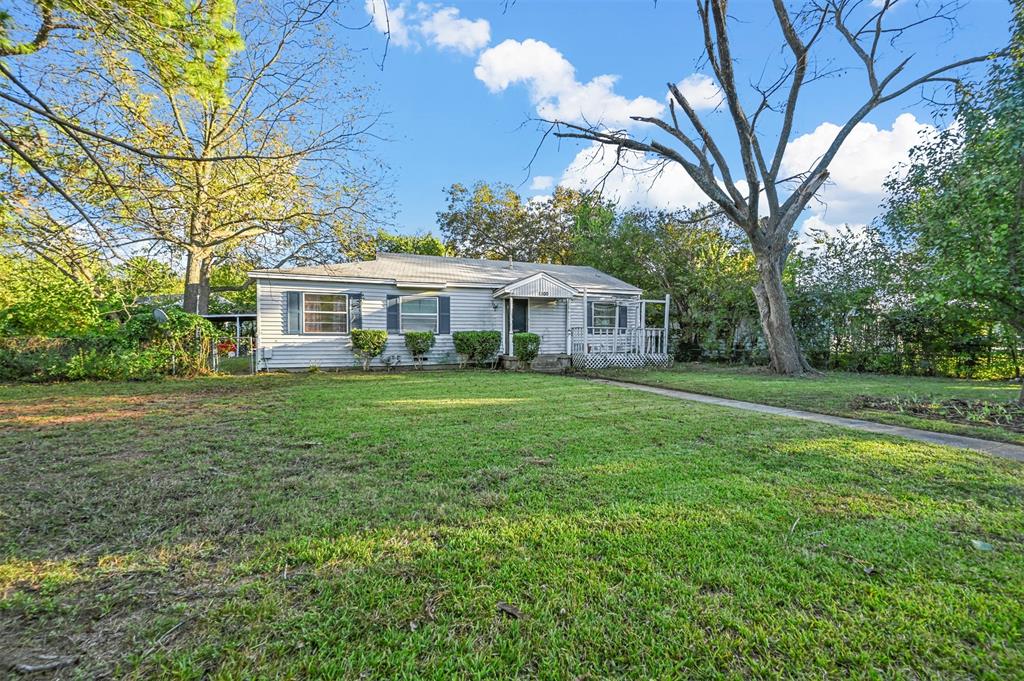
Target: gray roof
{"type": "Point", "coordinates": [403, 267]}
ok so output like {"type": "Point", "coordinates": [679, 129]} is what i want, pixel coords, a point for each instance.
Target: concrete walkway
{"type": "Point", "coordinates": [1005, 450]}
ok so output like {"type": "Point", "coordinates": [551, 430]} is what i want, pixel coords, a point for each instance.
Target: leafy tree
{"type": "Point", "coordinates": [863, 302]}
{"type": "Point", "coordinates": [140, 276]}
{"type": "Point", "coordinates": [691, 255]}
{"type": "Point", "coordinates": [386, 242]}
{"type": "Point", "coordinates": [256, 175]}
{"type": "Point", "coordinates": [960, 205]}
{"type": "Point", "coordinates": [181, 46]}
{"type": "Point", "coordinates": [494, 221]}
{"type": "Point", "coordinates": [229, 280]}
{"type": "Point", "coordinates": [183, 43]}
{"type": "Point", "coordinates": [38, 299]}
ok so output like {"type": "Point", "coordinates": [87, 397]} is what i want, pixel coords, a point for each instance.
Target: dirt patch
{"type": "Point", "coordinates": [1006, 415]}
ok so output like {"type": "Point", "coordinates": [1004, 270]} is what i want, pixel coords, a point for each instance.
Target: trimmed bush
{"type": "Point", "coordinates": [368, 344]}
{"type": "Point", "coordinates": [476, 347]}
{"type": "Point", "coordinates": [525, 346]}
{"type": "Point", "coordinates": [419, 344]}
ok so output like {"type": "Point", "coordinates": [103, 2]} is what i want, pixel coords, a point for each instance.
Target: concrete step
{"type": "Point", "coordinates": [550, 364]}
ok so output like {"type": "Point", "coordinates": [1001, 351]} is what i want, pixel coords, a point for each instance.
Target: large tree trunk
{"type": "Point", "coordinates": [203, 305]}
{"type": "Point", "coordinates": [197, 283]}
{"type": "Point", "coordinates": [773, 306]}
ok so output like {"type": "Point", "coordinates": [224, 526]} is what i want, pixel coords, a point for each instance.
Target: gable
{"type": "Point", "coordinates": [540, 285]}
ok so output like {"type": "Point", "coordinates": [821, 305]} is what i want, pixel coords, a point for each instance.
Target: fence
{"type": "Point", "coordinates": [231, 354]}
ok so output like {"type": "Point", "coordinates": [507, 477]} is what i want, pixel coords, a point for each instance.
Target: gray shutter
{"type": "Point", "coordinates": [623, 316]}
{"type": "Point", "coordinates": [293, 314]}
{"type": "Point", "coordinates": [590, 315]}
{"type": "Point", "coordinates": [444, 315]}
{"type": "Point", "coordinates": [393, 326]}
{"type": "Point", "coordinates": [355, 310]}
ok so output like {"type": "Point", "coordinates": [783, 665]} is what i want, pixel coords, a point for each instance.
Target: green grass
{"type": "Point", "coordinates": [238, 366]}
{"type": "Point", "coordinates": [832, 393]}
{"type": "Point", "coordinates": [355, 526]}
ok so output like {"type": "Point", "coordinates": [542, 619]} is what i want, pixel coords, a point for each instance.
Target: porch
{"type": "Point", "coordinates": [627, 345]}
{"type": "Point", "coordinates": [591, 329]}
{"type": "Point", "coordinates": [599, 348]}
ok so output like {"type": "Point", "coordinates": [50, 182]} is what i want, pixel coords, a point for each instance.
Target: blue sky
{"type": "Point", "coordinates": [462, 80]}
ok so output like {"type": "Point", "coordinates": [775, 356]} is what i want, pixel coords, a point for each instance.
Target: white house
{"type": "Point", "coordinates": [304, 314]}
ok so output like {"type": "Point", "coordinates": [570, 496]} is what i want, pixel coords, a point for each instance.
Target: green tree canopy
{"type": "Point", "coordinates": [960, 204]}
{"type": "Point", "coordinates": [494, 221]}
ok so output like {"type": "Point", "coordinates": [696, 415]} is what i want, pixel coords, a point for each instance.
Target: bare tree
{"type": "Point", "coordinates": [866, 28]}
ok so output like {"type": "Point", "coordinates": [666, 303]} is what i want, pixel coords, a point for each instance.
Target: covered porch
{"type": "Point", "coordinates": [539, 304]}
{"type": "Point", "coordinates": [629, 342]}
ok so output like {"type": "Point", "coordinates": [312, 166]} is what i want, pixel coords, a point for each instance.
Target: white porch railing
{"type": "Point", "coordinates": [619, 341]}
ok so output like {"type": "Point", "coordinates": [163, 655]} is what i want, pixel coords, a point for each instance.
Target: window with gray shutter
{"type": "Point", "coordinates": [393, 324]}
{"type": "Point", "coordinates": [293, 312]}
{"type": "Point", "coordinates": [355, 310]}
{"type": "Point", "coordinates": [444, 314]}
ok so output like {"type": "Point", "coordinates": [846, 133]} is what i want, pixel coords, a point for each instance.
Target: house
{"type": "Point", "coordinates": [304, 314]}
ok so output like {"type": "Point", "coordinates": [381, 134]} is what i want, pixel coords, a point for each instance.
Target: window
{"type": "Point", "coordinates": [324, 313]}
{"type": "Point", "coordinates": [419, 314]}
{"type": "Point", "coordinates": [605, 315]}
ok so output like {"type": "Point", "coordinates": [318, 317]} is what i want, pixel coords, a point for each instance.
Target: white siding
{"type": "Point", "coordinates": [547, 319]}
{"type": "Point", "coordinates": [471, 310]}
{"type": "Point", "coordinates": [579, 317]}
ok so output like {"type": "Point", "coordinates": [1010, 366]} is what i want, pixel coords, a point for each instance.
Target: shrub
{"type": "Point", "coordinates": [476, 347]}
{"type": "Point", "coordinates": [368, 344]}
{"type": "Point", "coordinates": [525, 346]}
{"type": "Point", "coordinates": [139, 349]}
{"type": "Point", "coordinates": [419, 344]}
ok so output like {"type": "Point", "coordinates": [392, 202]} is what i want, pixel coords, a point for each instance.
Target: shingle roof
{"type": "Point", "coordinates": [403, 267]}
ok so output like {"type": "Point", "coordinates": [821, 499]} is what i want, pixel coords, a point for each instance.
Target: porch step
{"type": "Point", "coordinates": [550, 364]}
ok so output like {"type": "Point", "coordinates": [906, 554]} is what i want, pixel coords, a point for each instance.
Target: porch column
{"type": "Point", "coordinates": [586, 329]}
{"type": "Point", "coordinates": [508, 349]}
{"type": "Point", "coordinates": [568, 326]}
{"type": "Point", "coordinates": [665, 341]}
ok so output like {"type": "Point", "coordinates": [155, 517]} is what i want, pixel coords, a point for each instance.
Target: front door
{"type": "Point", "coordinates": [520, 320]}
{"type": "Point", "coordinates": [520, 315]}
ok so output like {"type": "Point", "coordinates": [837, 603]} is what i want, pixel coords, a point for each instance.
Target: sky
{"type": "Point", "coordinates": [462, 84]}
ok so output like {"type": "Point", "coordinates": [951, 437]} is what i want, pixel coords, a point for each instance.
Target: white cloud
{"type": "Point", "coordinates": [390, 18]}
{"type": "Point", "coordinates": [641, 181]}
{"type": "Point", "coordinates": [551, 81]}
{"type": "Point", "coordinates": [852, 196]}
{"type": "Point", "coordinates": [700, 91]}
{"type": "Point", "coordinates": [541, 183]}
{"type": "Point", "coordinates": [446, 29]}
{"type": "Point", "coordinates": [857, 174]}
{"type": "Point", "coordinates": [442, 27]}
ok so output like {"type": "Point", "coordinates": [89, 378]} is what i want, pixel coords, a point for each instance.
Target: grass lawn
{"type": "Point", "coordinates": [355, 526]}
{"type": "Point", "coordinates": [833, 393]}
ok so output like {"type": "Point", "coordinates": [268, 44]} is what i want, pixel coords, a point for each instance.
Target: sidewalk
{"type": "Point", "coordinates": [1003, 449]}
